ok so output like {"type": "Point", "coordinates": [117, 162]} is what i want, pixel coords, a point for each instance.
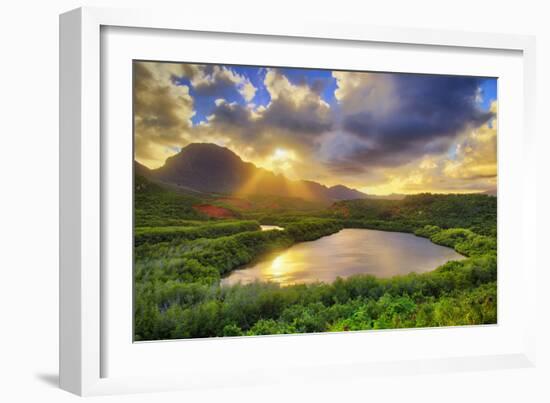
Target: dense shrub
{"type": "Point", "coordinates": [476, 212]}
{"type": "Point", "coordinates": [459, 292]}
{"type": "Point", "coordinates": [311, 229]}
{"type": "Point", "coordinates": [427, 231]}
{"type": "Point", "coordinates": [154, 235]}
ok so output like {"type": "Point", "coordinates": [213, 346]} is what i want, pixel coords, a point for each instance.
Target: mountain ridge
{"type": "Point", "coordinates": [209, 168]}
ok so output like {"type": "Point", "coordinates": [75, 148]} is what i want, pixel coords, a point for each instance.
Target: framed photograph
{"type": "Point", "coordinates": [237, 198]}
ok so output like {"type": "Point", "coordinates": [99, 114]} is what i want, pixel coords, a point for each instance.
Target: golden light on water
{"type": "Point", "coordinates": [277, 266]}
{"type": "Point", "coordinates": [282, 268]}
{"type": "Point", "coordinates": [346, 253]}
{"type": "Point", "coordinates": [288, 267]}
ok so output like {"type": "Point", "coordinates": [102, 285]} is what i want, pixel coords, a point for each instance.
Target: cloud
{"type": "Point", "coordinates": [247, 90]}
{"type": "Point", "coordinates": [380, 132]}
{"type": "Point", "coordinates": [476, 154]}
{"type": "Point", "coordinates": [162, 112]}
{"type": "Point", "coordinates": [471, 165]}
{"type": "Point", "coordinates": [296, 117]}
{"type": "Point", "coordinates": [163, 106]}
{"type": "Point", "coordinates": [360, 91]}
{"type": "Point", "coordinates": [397, 118]}
{"type": "Point", "coordinates": [215, 80]}
{"type": "Point", "coordinates": [297, 108]}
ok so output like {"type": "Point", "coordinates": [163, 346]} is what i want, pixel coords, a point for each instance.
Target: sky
{"type": "Point", "coordinates": [380, 133]}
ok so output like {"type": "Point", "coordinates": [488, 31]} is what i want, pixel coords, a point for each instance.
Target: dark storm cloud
{"type": "Point", "coordinates": [308, 118]}
{"type": "Point", "coordinates": [428, 114]}
{"type": "Point", "coordinates": [318, 86]}
{"type": "Point", "coordinates": [428, 106]}
{"type": "Point", "coordinates": [232, 114]}
{"type": "Point", "coordinates": [221, 86]}
{"type": "Point", "coordinates": [296, 128]}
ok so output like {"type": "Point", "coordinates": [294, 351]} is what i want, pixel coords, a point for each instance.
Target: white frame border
{"type": "Point", "coordinates": [80, 173]}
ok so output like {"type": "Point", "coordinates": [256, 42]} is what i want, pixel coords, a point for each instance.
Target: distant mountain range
{"type": "Point", "coordinates": [209, 168]}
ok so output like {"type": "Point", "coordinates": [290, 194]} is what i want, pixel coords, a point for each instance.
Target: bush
{"type": "Point", "coordinates": [232, 330]}
{"type": "Point", "coordinates": [427, 231]}
{"type": "Point", "coordinates": [154, 235]}
{"type": "Point", "coordinates": [459, 292]}
{"type": "Point", "coordinates": [451, 237]}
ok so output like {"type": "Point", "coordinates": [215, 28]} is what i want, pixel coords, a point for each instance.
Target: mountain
{"type": "Point", "coordinates": [341, 192]}
{"type": "Point", "coordinates": [206, 168]}
{"type": "Point", "coordinates": [210, 168]}
{"type": "Point", "coordinates": [141, 170]}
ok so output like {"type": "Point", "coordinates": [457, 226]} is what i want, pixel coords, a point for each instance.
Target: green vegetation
{"type": "Point", "coordinates": [157, 206]}
{"type": "Point", "coordinates": [458, 293]}
{"type": "Point", "coordinates": [475, 212]}
{"type": "Point", "coordinates": [173, 234]}
{"type": "Point", "coordinates": [181, 255]}
{"type": "Point", "coordinates": [205, 260]}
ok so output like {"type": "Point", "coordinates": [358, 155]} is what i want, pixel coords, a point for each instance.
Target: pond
{"type": "Point", "coordinates": [348, 252]}
{"type": "Point", "coordinates": [271, 227]}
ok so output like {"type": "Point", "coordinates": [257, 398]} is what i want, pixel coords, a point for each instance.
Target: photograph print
{"type": "Point", "coordinates": [276, 200]}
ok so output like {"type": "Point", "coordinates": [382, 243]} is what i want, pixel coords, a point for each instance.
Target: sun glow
{"type": "Point", "coordinates": [280, 154]}
{"type": "Point", "coordinates": [281, 161]}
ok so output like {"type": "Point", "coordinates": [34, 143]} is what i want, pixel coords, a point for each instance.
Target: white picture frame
{"type": "Point", "coordinates": [83, 306]}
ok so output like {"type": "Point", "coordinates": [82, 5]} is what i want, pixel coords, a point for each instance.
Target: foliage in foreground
{"type": "Point", "coordinates": [457, 293]}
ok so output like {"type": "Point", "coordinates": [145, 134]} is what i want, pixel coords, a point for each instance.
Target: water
{"type": "Point", "coordinates": [271, 227]}
{"type": "Point", "coordinates": [348, 252]}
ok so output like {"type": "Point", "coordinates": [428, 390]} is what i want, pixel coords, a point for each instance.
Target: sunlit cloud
{"type": "Point", "coordinates": [476, 153]}
{"type": "Point", "coordinates": [162, 113]}
{"type": "Point", "coordinates": [377, 132]}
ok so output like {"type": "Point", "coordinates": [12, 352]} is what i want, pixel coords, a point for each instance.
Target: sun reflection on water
{"type": "Point", "coordinates": [277, 266]}
{"type": "Point", "coordinates": [346, 253]}
{"type": "Point", "coordinates": [286, 268]}
{"type": "Point", "coordinates": [280, 268]}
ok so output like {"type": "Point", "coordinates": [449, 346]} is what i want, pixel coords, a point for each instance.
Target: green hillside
{"type": "Point", "coordinates": [155, 205]}
{"type": "Point", "coordinates": [473, 211]}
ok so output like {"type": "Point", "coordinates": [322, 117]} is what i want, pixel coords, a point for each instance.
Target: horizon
{"type": "Point", "coordinates": [323, 184]}
{"type": "Point", "coordinates": [379, 133]}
